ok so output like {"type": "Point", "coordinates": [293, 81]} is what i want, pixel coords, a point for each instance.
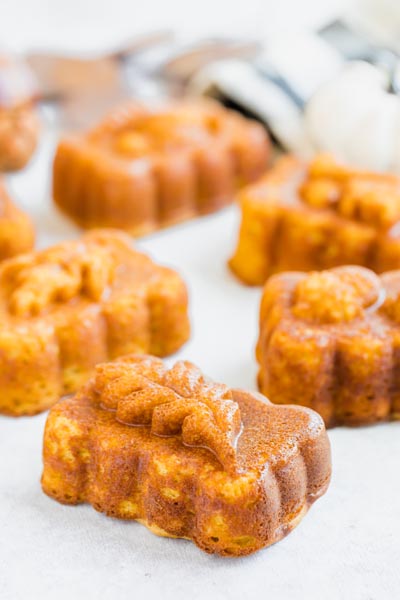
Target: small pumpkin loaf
{"type": "Point", "coordinates": [19, 123]}
{"type": "Point", "coordinates": [334, 335]}
{"type": "Point", "coordinates": [317, 217]}
{"type": "Point", "coordinates": [67, 308]}
{"type": "Point", "coordinates": [186, 457]}
{"type": "Point", "coordinates": [16, 230]}
{"type": "Point", "coordinates": [142, 169]}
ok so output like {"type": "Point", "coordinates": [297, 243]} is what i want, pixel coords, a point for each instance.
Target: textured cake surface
{"type": "Point", "coordinates": [71, 306]}
{"type": "Point", "coordinates": [185, 456]}
{"type": "Point", "coordinates": [330, 340]}
{"type": "Point", "coordinates": [16, 230]}
{"type": "Point", "coordinates": [320, 216]}
{"type": "Point", "coordinates": [142, 169]}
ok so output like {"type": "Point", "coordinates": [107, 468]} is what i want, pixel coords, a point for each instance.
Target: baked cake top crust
{"type": "Point", "coordinates": [38, 282]}
{"type": "Point", "coordinates": [348, 297]}
{"type": "Point", "coordinates": [370, 198]}
{"type": "Point", "coordinates": [336, 296]}
{"type": "Point", "coordinates": [226, 430]}
{"type": "Point", "coordinates": [365, 197]}
{"type": "Point", "coordinates": [172, 401]}
{"type": "Point", "coordinates": [97, 267]}
{"type": "Point", "coordinates": [135, 132]}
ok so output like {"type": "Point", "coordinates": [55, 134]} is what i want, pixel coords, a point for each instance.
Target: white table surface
{"type": "Point", "coordinates": [347, 547]}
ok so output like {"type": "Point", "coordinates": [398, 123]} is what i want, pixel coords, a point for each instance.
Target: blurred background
{"type": "Point", "coordinates": [294, 65]}
{"type": "Point", "coordinates": [92, 24]}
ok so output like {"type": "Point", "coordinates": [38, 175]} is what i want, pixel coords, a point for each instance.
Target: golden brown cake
{"type": "Point", "coordinates": [19, 123]}
{"type": "Point", "coordinates": [330, 340]}
{"type": "Point", "coordinates": [67, 308]}
{"type": "Point", "coordinates": [16, 230]}
{"type": "Point", "coordinates": [142, 169]}
{"type": "Point", "coordinates": [186, 457]}
{"type": "Point", "coordinates": [317, 217]}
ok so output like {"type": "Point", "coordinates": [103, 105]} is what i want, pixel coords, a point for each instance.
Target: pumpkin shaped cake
{"type": "Point", "coordinates": [334, 335]}
{"type": "Point", "coordinates": [186, 457]}
{"type": "Point", "coordinates": [16, 230]}
{"type": "Point", "coordinates": [69, 307]}
{"type": "Point", "coordinates": [142, 169]}
{"type": "Point", "coordinates": [315, 217]}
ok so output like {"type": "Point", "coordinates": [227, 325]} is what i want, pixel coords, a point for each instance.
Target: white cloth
{"type": "Point", "coordinates": [347, 547]}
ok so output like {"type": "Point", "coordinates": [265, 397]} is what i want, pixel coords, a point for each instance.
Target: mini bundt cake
{"type": "Point", "coordinates": [330, 340]}
{"type": "Point", "coordinates": [186, 457]}
{"type": "Point", "coordinates": [142, 169]}
{"type": "Point", "coordinates": [69, 307]}
{"type": "Point", "coordinates": [19, 123]}
{"type": "Point", "coordinates": [16, 230]}
{"type": "Point", "coordinates": [317, 217]}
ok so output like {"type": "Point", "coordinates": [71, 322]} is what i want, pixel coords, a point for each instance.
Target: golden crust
{"type": "Point", "coordinates": [143, 169]}
{"type": "Point", "coordinates": [317, 217]}
{"type": "Point", "coordinates": [330, 340]}
{"type": "Point", "coordinates": [69, 307]}
{"type": "Point", "coordinates": [282, 457]}
{"type": "Point", "coordinates": [16, 230]}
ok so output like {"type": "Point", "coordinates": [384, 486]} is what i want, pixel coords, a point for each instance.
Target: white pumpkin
{"type": "Point", "coordinates": [354, 117]}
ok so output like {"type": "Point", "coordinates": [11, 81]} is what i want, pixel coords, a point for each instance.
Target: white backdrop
{"type": "Point", "coordinates": [90, 24]}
